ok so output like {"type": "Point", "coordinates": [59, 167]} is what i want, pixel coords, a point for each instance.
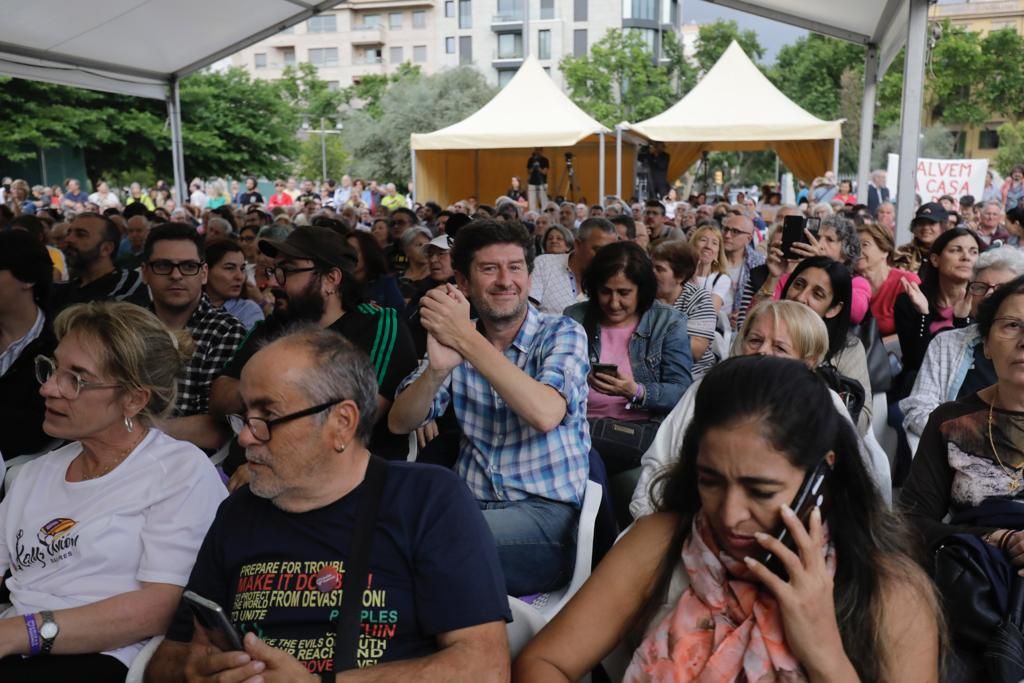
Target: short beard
{"type": "Point", "coordinates": [308, 306]}
{"type": "Point", "coordinates": [498, 318]}
{"type": "Point", "coordinates": [80, 260]}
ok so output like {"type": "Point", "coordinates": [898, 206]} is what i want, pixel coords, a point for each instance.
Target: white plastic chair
{"type": "Point", "coordinates": [141, 661]}
{"type": "Point", "coordinates": [526, 623]}
{"type": "Point", "coordinates": [548, 604]}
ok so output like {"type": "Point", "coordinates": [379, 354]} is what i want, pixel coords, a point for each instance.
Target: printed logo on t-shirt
{"type": "Point", "coordinates": [275, 588]}
{"type": "Point", "coordinates": [54, 542]}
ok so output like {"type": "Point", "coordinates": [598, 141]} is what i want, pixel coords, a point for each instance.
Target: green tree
{"type": "Point", "coordinates": [714, 38]}
{"type": "Point", "coordinates": [1002, 79]}
{"type": "Point", "coordinates": [955, 73]}
{"type": "Point", "coordinates": [682, 74]}
{"type": "Point", "coordinates": [311, 156]}
{"type": "Point", "coordinates": [411, 104]}
{"type": "Point", "coordinates": [367, 93]}
{"type": "Point", "coordinates": [618, 80]}
{"type": "Point", "coordinates": [810, 71]}
{"type": "Point", "coordinates": [1011, 147]}
{"type": "Point", "coordinates": [936, 142]}
{"type": "Point", "coordinates": [304, 90]}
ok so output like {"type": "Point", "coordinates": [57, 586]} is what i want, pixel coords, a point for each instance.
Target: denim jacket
{"type": "Point", "coordinates": [659, 354]}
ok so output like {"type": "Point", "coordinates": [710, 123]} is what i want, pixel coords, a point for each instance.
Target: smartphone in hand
{"type": "Point", "coordinates": [814, 492]}
{"type": "Point", "coordinates": [214, 621]}
{"type": "Point", "coordinates": [792, 232]}
{"type": "Point", "coordinates": [605, 369]}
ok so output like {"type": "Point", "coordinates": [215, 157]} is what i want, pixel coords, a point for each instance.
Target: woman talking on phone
{"type": "Point", "coordinates": [854, 606]}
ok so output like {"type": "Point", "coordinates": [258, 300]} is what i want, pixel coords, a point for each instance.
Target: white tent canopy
{"type": "Point", "coordinates": [478, 154]}
{"type": "Point", "coordinates": [137, 47]}
{"type": "Point", "coordinates": [736, 107]}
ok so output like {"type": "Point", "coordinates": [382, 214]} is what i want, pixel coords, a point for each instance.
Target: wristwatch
{"type": "Point", "coordinates": [48, 630]}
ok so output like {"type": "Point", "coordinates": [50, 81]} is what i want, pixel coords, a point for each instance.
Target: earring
{"type": "Point", "coordinates": [343, 447]}
{"type": "Point", "coordinates": [129, 424]}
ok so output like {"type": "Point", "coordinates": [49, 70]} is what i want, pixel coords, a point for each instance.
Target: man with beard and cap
{"type": "Point", "coordinates": [313, 267]}
{"type": "Point", "coordinates": [90, 247]}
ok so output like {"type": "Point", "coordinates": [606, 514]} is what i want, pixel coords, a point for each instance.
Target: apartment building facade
{"type": "Point", "coordinates": [362, 37]}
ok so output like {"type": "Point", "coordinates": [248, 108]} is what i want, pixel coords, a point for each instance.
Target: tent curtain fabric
{"type": "Point", "coordinates": [807, 159]}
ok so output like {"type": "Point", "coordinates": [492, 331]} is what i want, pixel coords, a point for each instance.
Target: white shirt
{"type": "Point", "coordinates": [12, 352]}
{"type": "Point", "coordinates": [198, 199]}
{"type": "Point", "coordinates": [70, 544]}
{"type": "Point", "coordinates": [553, 285]}
{"type": "Point", "coordinates": [109, 201]}
{"type": "Point", "coordinates": [720, 285]}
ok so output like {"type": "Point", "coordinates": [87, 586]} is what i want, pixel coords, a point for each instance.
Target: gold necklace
{"type": "Point", "coordinates": [121, 457]}
{"type": "Point", "coordinates": [1015, 481]}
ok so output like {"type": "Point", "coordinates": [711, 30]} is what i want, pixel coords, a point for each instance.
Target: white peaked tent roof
{"type": "Point", "coordinates": [530, 111]}
{"type": "Point", "coordinates": [735, 102]}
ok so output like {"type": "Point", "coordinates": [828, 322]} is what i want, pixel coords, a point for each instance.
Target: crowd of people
{"type": "Point", "coordinates": [225, 392]}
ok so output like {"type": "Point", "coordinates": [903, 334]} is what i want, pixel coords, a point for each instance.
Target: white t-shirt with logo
{"type": "Point", "coordinates": [70, 544]}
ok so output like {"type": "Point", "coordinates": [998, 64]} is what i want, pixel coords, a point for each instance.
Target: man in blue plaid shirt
{"type": "Point", "coordinates": [518, 381]}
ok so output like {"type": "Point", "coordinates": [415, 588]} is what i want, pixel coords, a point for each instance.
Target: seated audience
{"type": "Point", "coordinates": [874, 264]}
{"type": "Point", "coordinates": [416, 277]}
{"type": "Point", "coordinates": [711, 274]}
{"type": "Point", "coordinates": [371, 270]}
{"type": "Point", "coordinates": [517, 378]}
{"type": "Point", "coordinates": [557, 279]}
{"type": "Point", "coordinates": [645, 339]}
{"type": "Point", "coordinates": [557, 240]}
{"type": "Point", "coordinates": [929, 222]}
{"type": "Point", "coordinates": [675, 265]}
{"type": "Point", "coordinates": [100, 535]}
{"type": "Point", "coordinates": [955, 365]}
{"type": "Point", "coordinates": [225, 281]}
{"type": "Point", "coordinates": [309, 401]}
{"type": "Point", "coordinates": [687, 590]}
{"type": "Point", "coordinates": [26, 274]}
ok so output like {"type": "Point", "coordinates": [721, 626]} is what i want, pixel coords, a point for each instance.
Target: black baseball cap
{"type": "Point", "coordinates": [315, 243]}
{"type": "Point", "coordinates": [932, 212]}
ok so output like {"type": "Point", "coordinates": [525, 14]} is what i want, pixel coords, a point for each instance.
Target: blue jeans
{"type": "Point", "coordinates": [536, 541]}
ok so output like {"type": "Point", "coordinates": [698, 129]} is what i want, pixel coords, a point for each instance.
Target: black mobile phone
{"type": "Point", "coordinates": [812, 225]}
{"type": "Point", "coordinates": [792, 232]}
{"type": "Point", "coordinates": [211, 617]}
{"type": "Point", "coordinates": [814, 492]}
{"type": "Point", "coordinates": [605, 369]}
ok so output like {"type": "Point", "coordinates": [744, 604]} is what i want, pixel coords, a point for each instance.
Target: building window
{"type": "Point", "coordinates": [323, 56]}
{"type": "Point", "coordinates": [547, 70]}
{"type": "Point", "coordinates": [648, 35]}
{"type": "Point", "coordinates": [419, 53]}
{"type": "Point", "coordinates": [579, 10]}
{"type": "Point", "coordinates": [959, 142]}
{"type": "Point", "coordinates": [547, 9]}
{"type": "Point", "coordinates": [504, 76]}
{"type": "Point", "coordinates": [641, 9]}
{"type": "Point", "coordinates": [465, 49]}
{"type": "Point", "coordinates": [419, 19]}
{"type": "Point", "coordinates": [288, 56]}
{"type": "Point", "coordinates": [449, 9]}
{"type": "Point", "coordinates": [324, 23]}
{"type": "Point", "coordinates": [510, 10]}
{"type": "Point", "coordinates": [395, 20]}
{"type": "Point", "coordinates": [370, 55]}
{"type": "Point", "coordinates": [579, 42]}
{"type": "Point", "coordinates": [510, 46]}
{"type": "Point", "coordinates": [395, 55]}
{"type": "Point", "coordinates": [371, 21]}
{"type": "Point", "coordinates": [988, 139]}
{"type": "Point", "coordinates": [260, 59]}
{"type": "Point", "coordinates": [449, 45]}
{"type": "Point", "coordinates": [544, 44]}
{"type": "Point", "coordinates": [465, 14]}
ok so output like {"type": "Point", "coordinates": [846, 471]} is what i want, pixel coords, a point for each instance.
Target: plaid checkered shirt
{"type": "Point", "coordinates": [503, 458]}
{"type": "Point", "coordinates": [216, 334]}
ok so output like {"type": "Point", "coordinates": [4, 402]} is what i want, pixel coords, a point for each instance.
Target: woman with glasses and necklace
{"type": "Point", "coordinates": [100, 535]}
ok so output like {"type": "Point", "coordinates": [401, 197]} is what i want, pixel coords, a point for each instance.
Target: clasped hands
{"type": "Point", "coordinates": [444, 314]}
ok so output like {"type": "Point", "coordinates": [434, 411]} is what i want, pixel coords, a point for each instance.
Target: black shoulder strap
{"type": "Point", "coordinates": [357, 569]}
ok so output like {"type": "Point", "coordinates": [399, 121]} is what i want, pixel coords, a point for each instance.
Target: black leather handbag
{"type": "Point", "coordinates": [878, 358]}
{"type": "Point", "coordinates": [1004, 657]}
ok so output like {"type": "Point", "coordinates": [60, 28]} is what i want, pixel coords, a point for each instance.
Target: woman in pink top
{"type": "Point", "coordinates": [876, 249]}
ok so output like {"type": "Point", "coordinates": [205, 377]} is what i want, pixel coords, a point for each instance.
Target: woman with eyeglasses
{"type": "Point", "coordinates": [100, 535]}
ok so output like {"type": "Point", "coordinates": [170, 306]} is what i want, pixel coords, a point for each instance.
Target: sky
{"type": "Point", "coordinates": [772, 34]}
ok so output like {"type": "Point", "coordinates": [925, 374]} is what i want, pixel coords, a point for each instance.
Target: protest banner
{"type": "Point", "coordinates": [938, 177]}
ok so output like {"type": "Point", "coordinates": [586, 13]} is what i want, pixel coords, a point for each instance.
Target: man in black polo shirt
{"type": "Point", "coordinates": [313, 266]}
{"type": "Point", "coordinates": [90, 247]}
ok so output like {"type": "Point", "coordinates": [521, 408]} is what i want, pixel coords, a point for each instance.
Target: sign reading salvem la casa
{"type": "Point", "coordinates": [938, 177]}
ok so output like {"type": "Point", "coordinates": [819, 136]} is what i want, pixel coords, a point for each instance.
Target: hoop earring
{"type": "Point", "coordinates": [129, 424]}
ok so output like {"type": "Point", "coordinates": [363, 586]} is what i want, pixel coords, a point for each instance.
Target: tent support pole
{"type": "Point", "coordinates": [618, 161]}
{"type": "Point", "coordinates": [835, 157]}
{"type": "Point", "coordinates": [600, 170]}
{"type": "Point", "coordinates": [414, 188]}
{"type": "Point", "coordinates": [910, 120]}
{"type": "Point", "coordinates": [177, 149]}
{"type": "Point", "coordinates": [867, 123]}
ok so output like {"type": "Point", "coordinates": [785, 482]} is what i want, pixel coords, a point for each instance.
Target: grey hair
{"type": "Point", "coordinates": [1002, 258]}
{"type": "Point", "coordinates": [589, 225]}
{"type": "Point", "coordinates": [410, 234]}
{"type": "Point", "coordinates": [993, 202]}
{"type": "Point", "coordinates": [339, 370]}
{"type": "Point", "coordinates": [274, 231]}
{"type": "Point", "coordinates": [846, 230]}
{"type": "Point", "coordinates": [222, 224]}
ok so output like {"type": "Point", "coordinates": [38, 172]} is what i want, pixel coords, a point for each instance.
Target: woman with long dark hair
{"type": "Point", "coordinates": [379, 286]}
{"type": "Point", "coordinates": [685, 590]}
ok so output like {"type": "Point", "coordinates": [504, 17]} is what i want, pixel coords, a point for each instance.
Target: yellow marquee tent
{"type": "Point", "coordinates": [479, 155]}
{"type": "Point", "coordinates": [736, 108]}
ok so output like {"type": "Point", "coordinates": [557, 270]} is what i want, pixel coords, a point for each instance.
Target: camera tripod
{"type": "Point", "coordinates": [570, 179]}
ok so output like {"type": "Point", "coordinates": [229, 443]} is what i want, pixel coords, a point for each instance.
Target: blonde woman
{"type": "Point", "coordinates": [711, 266]}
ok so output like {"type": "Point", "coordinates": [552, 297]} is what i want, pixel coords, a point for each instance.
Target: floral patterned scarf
{"type": "Point", "coordinates": [726, 627]}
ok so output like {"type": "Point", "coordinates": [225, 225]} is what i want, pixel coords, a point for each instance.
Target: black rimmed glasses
{"type": "Point", "coordinates": [281, 273]}
{"type": "Point", "coordinates": [166, 267]}
{"type": "Point", "coordinates": [69, 384]}
{"type": "Point", "coordinates": [978, 288]}
{"type": "Point", "coordinates": [260, 427]}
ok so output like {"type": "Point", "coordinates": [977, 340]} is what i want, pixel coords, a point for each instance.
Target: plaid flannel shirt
{"type": "Point", "coordinates": [216, 334]}
{"type": "Point", "coordinates": [501, 457]}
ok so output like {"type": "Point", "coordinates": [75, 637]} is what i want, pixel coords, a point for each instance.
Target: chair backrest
{"type": "Point", "coordinates": [584, 547]}
{"type": "Point", "coordinates": [526, 623]}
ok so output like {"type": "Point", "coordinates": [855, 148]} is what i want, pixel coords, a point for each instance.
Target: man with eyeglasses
{"type": "Point", "coordinates": [955, 364]}
{"type": "Point", "coordinates": [280, 555]}
{"type": "Point", "coordinates": [174, 270]}
{"type": "Point", "coordinates": [740, 256]}
{"type": "Point", "coordinates": [313, 268]}
{"type": "Point", "coordinates": [91, 247]}
{"type": "Point", "coordinates": [25, 332]}
{"type": "Point", "coordinates": [401, 219]}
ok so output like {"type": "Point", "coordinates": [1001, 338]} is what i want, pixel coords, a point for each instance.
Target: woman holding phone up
{"type": "Point", "coordinates": [855, 606]}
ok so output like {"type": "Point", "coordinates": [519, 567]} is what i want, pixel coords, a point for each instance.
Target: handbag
{"type": "Point", "coordinates": [879, 367]}
{"type": "Point", "coordinates": [1004, 657]}
{"type": "Point", "coordinates": [848, 389]}
{"type": "Point", "coordinates": [621, 443]}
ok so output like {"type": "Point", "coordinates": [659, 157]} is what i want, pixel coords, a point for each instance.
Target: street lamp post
{"type": "Point", "coordinates": [323, 141]}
